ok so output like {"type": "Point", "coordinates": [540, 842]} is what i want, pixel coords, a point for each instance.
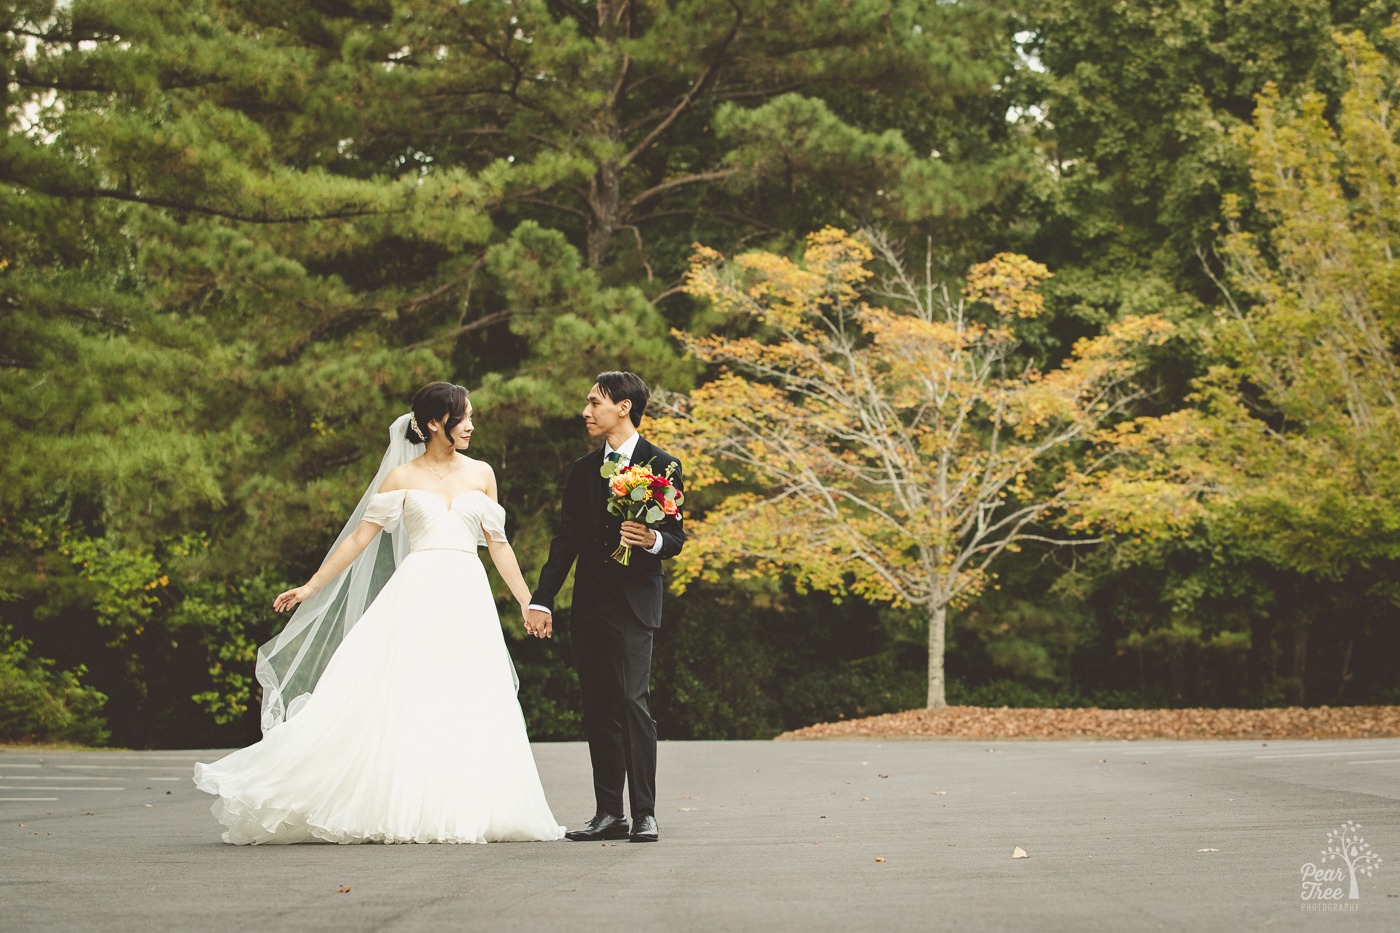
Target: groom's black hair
{"type": "Point", "coordinates": [623, 385]}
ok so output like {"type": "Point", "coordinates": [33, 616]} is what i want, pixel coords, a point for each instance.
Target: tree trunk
{"type": "Point", "coordinates": [937, 626]}
{"type": "Point", "coordinates": [1299, 674]}
{"type": "Point", "coordinates": [1261, 664]}
{"type": "Point", "coordinates": [605, 187]}
{"type": "Point", "coordinates": [604, 212]}
{"type": "Point", "coordinates": [1346, 670]}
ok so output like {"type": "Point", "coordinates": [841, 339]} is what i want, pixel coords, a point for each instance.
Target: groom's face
{"type": "Point", "coordinates": [601, 415]}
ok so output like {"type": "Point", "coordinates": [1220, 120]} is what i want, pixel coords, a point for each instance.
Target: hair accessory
{"type": "Point", "coordinates": [413, 423]}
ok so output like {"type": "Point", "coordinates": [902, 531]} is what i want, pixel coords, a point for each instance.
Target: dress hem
{"type": "Point", "coordinates": [236, 813]}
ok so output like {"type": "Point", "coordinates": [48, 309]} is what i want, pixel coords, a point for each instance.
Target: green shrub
{"type": "Point", "coordinates": [863, 687]}
{"type": "Point", "coordinates": [39, 704]}
{"type": "Point", "coordinates": [1020, 695]}
{"type": "Point", "coordinates": [1014, 693]}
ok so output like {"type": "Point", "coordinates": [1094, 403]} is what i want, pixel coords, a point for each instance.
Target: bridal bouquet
{"type": "Point", "coordinates": [639, 495]}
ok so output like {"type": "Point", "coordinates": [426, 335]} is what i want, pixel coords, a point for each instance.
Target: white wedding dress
{"type": "Point", "coordinates": [413, 732]}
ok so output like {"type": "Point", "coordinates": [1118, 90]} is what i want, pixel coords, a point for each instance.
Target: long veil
{"type": "Point", "coordinates": [289, 665]}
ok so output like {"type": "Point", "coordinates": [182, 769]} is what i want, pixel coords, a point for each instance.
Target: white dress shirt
{"type": "Point", "coordinates": [628, 447]}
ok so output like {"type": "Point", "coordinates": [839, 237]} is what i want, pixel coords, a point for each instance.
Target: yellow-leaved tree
{"type": "Point", "coordinates": [882, 436]}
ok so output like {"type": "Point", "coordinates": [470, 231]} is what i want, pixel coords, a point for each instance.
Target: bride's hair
{"type": "Point", "coordinates": [435, 400]}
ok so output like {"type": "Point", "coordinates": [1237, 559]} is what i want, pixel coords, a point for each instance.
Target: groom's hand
{"type": "Point", "coordinates": [635, 534]}
{"type": "Point", "coordinates": [538, 622]}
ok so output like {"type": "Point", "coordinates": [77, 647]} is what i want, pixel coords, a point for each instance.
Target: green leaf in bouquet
{"type": "Point", "coordinates": [638, 494]}
{"type": "Point", "coordinates": [608, 468]}
{"type": "Point", "coordinates": [654, 514]}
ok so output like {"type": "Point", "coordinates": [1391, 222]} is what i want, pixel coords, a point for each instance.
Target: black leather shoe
{"type": "Point", "coordinates": [646, 830]}
{"type": "Point", "coordinates": [602, 826]}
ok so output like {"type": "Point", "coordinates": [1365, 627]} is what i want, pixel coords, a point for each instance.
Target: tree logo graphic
{"type": "Point", "coordinates": [1348, 847]}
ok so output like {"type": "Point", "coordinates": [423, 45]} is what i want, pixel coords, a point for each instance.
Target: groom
{"type": "Point", "coordinates": [616, 608]}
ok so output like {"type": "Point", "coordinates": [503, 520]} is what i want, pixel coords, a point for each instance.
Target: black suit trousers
{"type": "Point", "coordinates": [612, 652]}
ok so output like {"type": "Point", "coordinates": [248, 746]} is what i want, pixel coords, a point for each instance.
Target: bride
{"type": "Point", "coordinates": [412, 732]}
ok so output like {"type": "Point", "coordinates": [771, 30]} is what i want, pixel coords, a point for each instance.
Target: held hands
{"type": "Point", "coordinates": [287, 600]}
{"type": "Point", "coordinates": [539, 623]}
{"type": "Point", "coordinates": [635, 534]}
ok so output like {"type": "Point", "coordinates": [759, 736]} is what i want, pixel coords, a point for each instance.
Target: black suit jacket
{"type": "Point", "coordinates": [588, 533]}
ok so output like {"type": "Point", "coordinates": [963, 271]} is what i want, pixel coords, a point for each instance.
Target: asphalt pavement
{"type": "Point", "coordinates": [772, 836]}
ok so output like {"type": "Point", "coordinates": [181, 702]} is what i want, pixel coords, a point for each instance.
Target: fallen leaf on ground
{"type": "Point", "coordinates": [979, 722]}
{"type": "Point", "coordinates": [879, 858]}
{"type": "Point", "coordinates": [1019, 852]}
{"type": "Point", "coordinates": [343, 889]}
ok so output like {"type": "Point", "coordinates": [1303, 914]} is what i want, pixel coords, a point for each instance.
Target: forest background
{"type": "Point", "coordinates": [238, 234]}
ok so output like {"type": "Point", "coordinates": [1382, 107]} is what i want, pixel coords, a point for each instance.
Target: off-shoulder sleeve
{"type": "Point", "coordinates": [493, 523]}
{"type": "Point", "coordinates": [385, 508]}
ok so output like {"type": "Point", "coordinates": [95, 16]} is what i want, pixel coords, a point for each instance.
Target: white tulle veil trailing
{"type": "Point", "coordinates": [289, 665]}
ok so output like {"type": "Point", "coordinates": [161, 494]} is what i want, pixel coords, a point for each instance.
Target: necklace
{"type": "Point", "coordinates": [443, 475]}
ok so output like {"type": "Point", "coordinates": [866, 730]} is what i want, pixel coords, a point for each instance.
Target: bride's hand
{"type": "Point", "coordinates": [290, 598]}
{"type": "Point", "coordinates": [537, 623]}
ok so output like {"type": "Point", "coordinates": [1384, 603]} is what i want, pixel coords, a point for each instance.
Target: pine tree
{"type": "Point", "coordinates": [239, 233]}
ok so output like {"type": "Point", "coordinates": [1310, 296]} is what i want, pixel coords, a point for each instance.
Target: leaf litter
{"type": "Point", "coordinates": [976, 722]}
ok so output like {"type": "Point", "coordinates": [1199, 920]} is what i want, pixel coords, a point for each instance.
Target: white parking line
{"type": "Point", "coordinates": [1376, 761]}
{"type": "Point", "coordinates": [64, 788]}
{"type": "Point", "coordinates": [55, 777]}
{"type": "Point", "coordinates": [20, 764]}
{"type": "Point", "coordinates": [1332, 754]}
{"type": "Point", "coordinates": [111, 768]}
{"type": "Point", "coordinates": [146, 758]}
{"type": "Point", "coordinates": [1235, 752]}
{"type": "Point", "coordinates": [29, 798]}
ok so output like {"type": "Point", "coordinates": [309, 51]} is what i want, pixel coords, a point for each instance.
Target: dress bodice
{"type": "Point", "coordinates": [433, 524]}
